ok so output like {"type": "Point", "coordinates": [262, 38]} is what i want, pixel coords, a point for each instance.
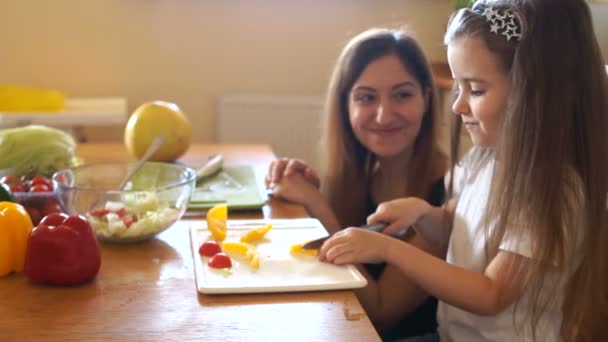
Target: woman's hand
{"type": "Point", "coordinates": [355, 245]}
{"type": "Point", "coordinates": [400, 213]}
{"type": "Point", "coordinates": [295, 188]}
{"type": "Point", "coordinates": [285, 167]}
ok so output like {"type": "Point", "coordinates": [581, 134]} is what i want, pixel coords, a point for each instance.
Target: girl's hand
{"type": "Point", "coordinates": [400, 213]}
{"type": "Point", "coordinates": [285, 167]}
{"type": "Point", "coordinates": [354, 245]}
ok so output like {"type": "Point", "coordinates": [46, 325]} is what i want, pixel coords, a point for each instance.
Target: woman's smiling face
{"type": "Point", "coordinates": [386, 106]}
{"type": "Point", "coordinates": [482, 89]}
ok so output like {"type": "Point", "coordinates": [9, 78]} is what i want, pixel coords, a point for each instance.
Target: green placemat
{"type": "Point", "coordinates": [234, 184]}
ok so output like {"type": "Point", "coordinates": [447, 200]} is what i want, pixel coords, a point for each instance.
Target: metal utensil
{"type": "Point", "coordinates": [315, 244]}
{"type": "Point", "coordinates": [158, 141]}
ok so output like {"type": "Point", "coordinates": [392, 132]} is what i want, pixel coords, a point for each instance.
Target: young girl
{"type": "Point", "coordinates": [526, 232]}
{"type": "Point", "coordinates": [379, 145]}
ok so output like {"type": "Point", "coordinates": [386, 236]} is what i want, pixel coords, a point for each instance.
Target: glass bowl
{"type": "Point", "coordinates": [156, 197]}
{"type": "Point", "coordinates": [34, 193]}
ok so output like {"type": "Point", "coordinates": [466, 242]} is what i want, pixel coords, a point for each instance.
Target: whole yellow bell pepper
{"type": "Point", "coordinates": [15, 228]}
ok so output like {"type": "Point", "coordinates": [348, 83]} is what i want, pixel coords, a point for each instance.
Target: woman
{"type": "Point", "coordinates": [378, 145]}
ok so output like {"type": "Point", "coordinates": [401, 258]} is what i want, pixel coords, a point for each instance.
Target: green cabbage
{"type": "Point", "coordinates": [36, 149]}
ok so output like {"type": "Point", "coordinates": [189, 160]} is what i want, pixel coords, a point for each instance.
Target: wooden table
{"type": "Point", "coordinates": [147, 292]}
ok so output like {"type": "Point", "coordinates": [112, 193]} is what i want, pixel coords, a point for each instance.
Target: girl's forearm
{"type": "Point", "coordinates": [435, 226]}
{"type": "Point", "coordinates": [468, 290]}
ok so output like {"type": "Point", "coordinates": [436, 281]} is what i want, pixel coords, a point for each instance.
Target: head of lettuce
{"type": "Point", "coordinates": [36, 149]}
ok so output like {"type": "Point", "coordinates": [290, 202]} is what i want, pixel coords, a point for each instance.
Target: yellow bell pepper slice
{"type": "Point", "coordinates": [256, 234]}
{"type": "Point", "coordinates": [236, 247]}
{"type": "Point", "coordinates": [245, 249]}
{"type": "Point", "coordinates": [297, 249]}
{"type": "Point", "coordinates": [216, 221]}
{"type": "Point", "coordinates": [15, 228]}
{"type": "Point", "coordinates": [254, 258]}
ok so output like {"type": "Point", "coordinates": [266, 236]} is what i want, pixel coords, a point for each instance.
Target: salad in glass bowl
{"type": "Point", "coordinates": [156, 197]}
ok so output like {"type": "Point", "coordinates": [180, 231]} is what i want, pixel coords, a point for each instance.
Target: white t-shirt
{"type": "Point", "coordinates": [466, 249]}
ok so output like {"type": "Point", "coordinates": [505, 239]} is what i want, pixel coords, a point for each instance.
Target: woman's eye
{"type": "Point", "coordinates": [477, 92]}
{"type": "Point", "coordinates": [402, 95]}
{"type": "Point", "coordinates": [365, 98]}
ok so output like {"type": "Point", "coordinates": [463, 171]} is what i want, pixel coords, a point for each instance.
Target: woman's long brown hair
{"type": "Point", "coordinates": [346, 164]}
{"type": "Point", "coordinates": [552, 158]}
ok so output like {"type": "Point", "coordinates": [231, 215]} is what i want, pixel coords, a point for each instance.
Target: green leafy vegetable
{"type": "Point", "coordinates": [35, 149]}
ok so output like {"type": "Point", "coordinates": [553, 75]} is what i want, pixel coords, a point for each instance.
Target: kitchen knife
{"type": "Point", "coordinates": [210, 167]}
{"type": "Point", "coordinates": [315, 244]}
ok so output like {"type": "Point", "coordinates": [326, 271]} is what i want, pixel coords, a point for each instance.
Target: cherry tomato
{"type": "Point", "coordinates": [39, 180]}
{"type": "Point", "coordinates": [19, 187]}
{"type": "Point", "coordinates": [209, 248]}
{"type": "Point", "coordinates": [51, 206]}
{"type": "Point", "coordinates": [220, 260]}
{"type": "Point", "coordinates": [39, 188]}
{"type": "Point", "coordinates": [8, 179]}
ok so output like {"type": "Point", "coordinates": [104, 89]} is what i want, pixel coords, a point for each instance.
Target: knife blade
{"type": "Point", "coordinates": [315, 244]}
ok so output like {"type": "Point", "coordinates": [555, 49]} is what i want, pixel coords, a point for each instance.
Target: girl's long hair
{"type": "Point", "coordinates": [550, 180]}
{"type": "Point", "coordinates": [346, 164]}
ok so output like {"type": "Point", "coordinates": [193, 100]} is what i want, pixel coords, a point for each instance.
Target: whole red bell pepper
{"type": "Point", "coordinates": [62, 250]}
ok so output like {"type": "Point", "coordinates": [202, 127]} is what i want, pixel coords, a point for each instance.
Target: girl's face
{"type": "Point", "coordinates": [385, 107]}
{"type": "Point", "coordinates": [482, 88]}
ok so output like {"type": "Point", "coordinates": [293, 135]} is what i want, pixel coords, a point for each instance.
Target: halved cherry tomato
{"type": "Point", "coordinates": [129, 220]}
{"type": "Point", "coordinates": [220, 260]}
{"type": "Point", "coordinates": [209, 248]}
{"type": "Point", "coordinates": [121, 212]}
{"type": "Point", "coordinates": [99, 212]}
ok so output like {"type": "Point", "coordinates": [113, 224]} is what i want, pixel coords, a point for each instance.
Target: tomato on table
{"type": "Point", "coordinates": [220, 260]}
{"type": "Point", "coordinates": [209, 249]}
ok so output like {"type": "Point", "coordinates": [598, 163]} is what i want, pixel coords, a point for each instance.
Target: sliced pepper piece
{"type": "Point", "coordinates": [245, 249]}
{"type": "Point", "coordinates": [297, 249]}
{"type": "Point", "coordinates": [254, 258]}
{"type": "Point", "coordinates": [256, 234]}
{"type": "Point", "coordinates": [15, 227]}
{"type": "Point", "coordinates": [236, 247]}
{"type": "Point", "coordinates": [216, 221]}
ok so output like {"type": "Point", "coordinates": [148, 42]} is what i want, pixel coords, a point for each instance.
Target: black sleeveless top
{"type": "Point", "coordinates": [423, 320]}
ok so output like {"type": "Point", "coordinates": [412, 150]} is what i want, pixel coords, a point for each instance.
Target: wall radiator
{"type": "Point", "coordinates": [290, 124]}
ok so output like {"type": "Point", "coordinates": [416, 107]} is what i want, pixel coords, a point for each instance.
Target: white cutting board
{"type": "Point", "coordinates": [279, 270]}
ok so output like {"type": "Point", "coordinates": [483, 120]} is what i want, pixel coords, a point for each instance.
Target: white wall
{"type": "Point", "coordinates": [599, 11]}
{"type": "Point", "coordinates": [192, 51]}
